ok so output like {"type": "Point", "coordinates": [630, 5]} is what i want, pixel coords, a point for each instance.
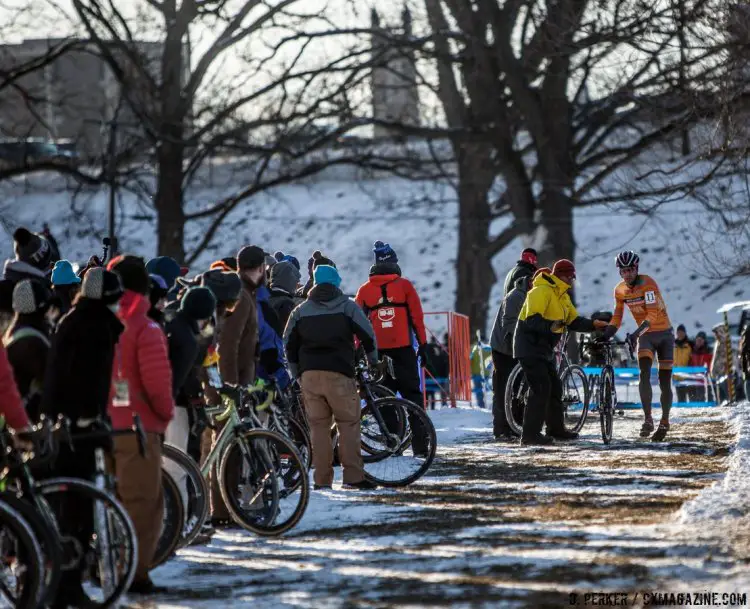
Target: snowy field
{"type": "Point", "coordinates": [499, 525]}
{"type": "Point", "coordinates": [343, 216]}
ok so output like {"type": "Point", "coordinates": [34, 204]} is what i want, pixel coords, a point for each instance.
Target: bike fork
{"type": "Point", "coordinates": [106, 570]}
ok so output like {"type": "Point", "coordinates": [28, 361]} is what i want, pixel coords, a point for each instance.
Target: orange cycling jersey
{"type": "Point", "coordinates": [645, 303]}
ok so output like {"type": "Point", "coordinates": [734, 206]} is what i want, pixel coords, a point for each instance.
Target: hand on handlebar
{"type": "Point", "coordinates": [557, 326]}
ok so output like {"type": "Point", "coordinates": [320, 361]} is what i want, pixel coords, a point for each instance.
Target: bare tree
{"type": "Point", "coordinates": [570, 103]}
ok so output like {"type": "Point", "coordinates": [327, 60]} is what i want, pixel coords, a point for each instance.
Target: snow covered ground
{"type": "Point", "coordinates": [343, 216]}
{"type": "Point", "coordinates": [503, 525]}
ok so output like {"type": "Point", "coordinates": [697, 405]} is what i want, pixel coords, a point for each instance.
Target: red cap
{"type": "Point", "coordinates": [529, 256]}
{"type": "Point", "coordinates": [564, 267]}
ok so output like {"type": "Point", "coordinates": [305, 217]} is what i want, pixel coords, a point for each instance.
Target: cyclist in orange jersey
{"type": "Point", "coordinates": [642, 296]}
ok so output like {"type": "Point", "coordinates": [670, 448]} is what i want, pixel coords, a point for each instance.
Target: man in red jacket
{"type": "Point", "coordinates": [395, 311]}
{"type": "Point", "coordinates": [141, 384]}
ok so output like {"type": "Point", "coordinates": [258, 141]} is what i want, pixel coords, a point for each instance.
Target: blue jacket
{"type": "Point", "coordinates": [269, 338]}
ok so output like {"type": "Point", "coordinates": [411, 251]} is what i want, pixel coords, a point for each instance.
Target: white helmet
{"type": "Point", "coordinates": [627, 259]}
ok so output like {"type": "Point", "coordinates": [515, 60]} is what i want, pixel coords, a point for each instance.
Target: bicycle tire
{"type": "Point", "coordinates": [49, 542]}
{"type": "Point", "coordinates": [281, 464]}
{"type": "Point", "coordinates": [574, 421]}
{"type": "Point", "coordinates": [199, 504]}
{"type": "Point", "coordinates": [302, 441]}
{"type": "Point", "coordinates": [25, 541]}
{"type": "Point", "coordinates": [516, 390]}
{"type": "Point", "coordinates": [172, 520]}
{"type": "Point", "coordinates": [372, 435]}
{"type": "Point", "coordinates": [128, 563]}
{"type": "Point", "coordinates": [606, 403]}
{"type": "Point", "coordinates": [414, 415]}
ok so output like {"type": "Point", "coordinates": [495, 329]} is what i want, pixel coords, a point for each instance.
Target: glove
{"type": "Point", "coordinates": [632, 341]}
{"type": "Point", "coordinates": [269, 359]}
{"type": "Point", "coordinates": [599, 324]}
{"type": "Point", "coordinates": [424, 355]}
{"type": "Point", "coordinates": [557, 326]}
{"type": "Point", "coordinates": [609, 332]}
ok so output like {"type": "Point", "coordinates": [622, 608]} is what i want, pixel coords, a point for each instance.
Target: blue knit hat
{"type": "Point", "coordinates": [384, 253]}
{"type": "Point", "coordinates": [165, 267]}
{"type": "Point", "coordinates": [63, 274]}
{"type": "Point", "coordinates": [326, 274]}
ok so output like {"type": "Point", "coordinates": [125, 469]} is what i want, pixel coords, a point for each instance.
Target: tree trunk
{"type": "Point", "coordinates": [557, 220]}
{"type": "Point", "coordinates": [475, 275]}
{"type": "Point", "coordinates": [169, 212]}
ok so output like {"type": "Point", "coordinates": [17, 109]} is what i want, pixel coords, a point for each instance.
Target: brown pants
{"type": "Point", "coordinates": [140, 490]}
{"type": "Point", "coordinates": [332, 396]}
{"type": "Point", "coordinates": [208, 441]}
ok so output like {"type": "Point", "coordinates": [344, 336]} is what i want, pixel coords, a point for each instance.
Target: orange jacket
{"type": "Point", "coordinates": [393, 307]}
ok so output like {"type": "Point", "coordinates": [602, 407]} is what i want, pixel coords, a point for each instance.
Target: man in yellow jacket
{"type": "Point", "coordinates": [547, 311]}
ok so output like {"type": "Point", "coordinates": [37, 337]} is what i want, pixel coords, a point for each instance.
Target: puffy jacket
{"type": "Point", "coordinates": [701, 357]}
{"type": "Point", "coordinates": [547, 301]}
{"type": "Point", "coordinates": [142, 361]}
{"type": "Point", "coordinates": [507, 317]}
{"type": "Point", "coordinates": [393, 307]}
{"type": "Point", "coordinates": [11, 406]}
{"type": "Point", "coordinates": [683, 351]}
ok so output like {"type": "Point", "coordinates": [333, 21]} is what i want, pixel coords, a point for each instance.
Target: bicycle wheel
{"type": "Point", "coordinates": [393, 467]}
{"type": "Point", "coordinates": [575, 397]}
{"type": "Point", "coordinates": [21, 561]}
{"type": "Point", "coordinates": [264, 482]}
{"type": "Point", "coordinates": [49, 542]}
{"type": "Point", "coordinates": [516, 396]}
{"type": "Point", "coordinates": [109, 556]}
{"type": "Point", "coordinates": [606, 402]}
{"type": "Point", "coordinates": [379, 442]}
{"type": "Point", "coordinates": [194, 488]}
{"type": "Point", "coordinates": [172, 522]}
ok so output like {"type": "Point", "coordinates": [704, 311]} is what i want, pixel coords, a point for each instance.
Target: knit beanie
{"type": "Point", "coordinates": [250, 257]}
{"type": "Point", "coordinates": [101, 284]}
{"type": "Point", "coordinates": [30, 296]}
{"type": "Point", "coordinates": [319, 259]}
{"type": "Point", "coordinates": [32, 248]}
{"type": "Point", "coordinates": [282, 257]}
{"type": "Point", "coordinates": [285, 275]}
{"type": "Point", "coordinates": [225, 287]}
{"type": "Point", "coordinates": [384, 253]}
{"type": "Point", "coordinates": [324, 273]}
{"type": "Point", "coordinates": [165, 267]}
{"type": "Point", "coordinates": [198, 303]}
{"type": "Point", "coordinates": [132, 272]}
{"type": "Point", "coordinates": [564, 267]}
{"type": "Point", "coordinates": [63, 274]}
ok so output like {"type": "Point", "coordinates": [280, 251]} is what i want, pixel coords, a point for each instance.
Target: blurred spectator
{"type": "Point", "coordinates": [525, 267]}
{"type": "Point", "coordinates": [65, 285]}
{"type": "Point", "coordinates": [433, 378]}
{"type": "Point", "coordinates": [683, 351]}
{"type": "Point", "coordinates": [745, 358]}
{"type": "Point", "coordinates": [481, 354]}
{"type": "Point", "coordinates": [701, 355]}
{"type": "Point", "coordinates": [719, 363]}
{"type": "Point", "coordinates": [443, 369]}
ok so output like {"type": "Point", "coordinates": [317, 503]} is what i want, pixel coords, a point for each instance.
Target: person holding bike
{"type": "Point", "coordinates": [319, 340]}
{"type": "Point", "coordinates": [546, 313]}
{"type": "Point", "coordinates": [643, 297]}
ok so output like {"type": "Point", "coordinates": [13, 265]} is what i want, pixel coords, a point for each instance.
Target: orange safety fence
{"type": "Point", "coordinates": [458, 384]}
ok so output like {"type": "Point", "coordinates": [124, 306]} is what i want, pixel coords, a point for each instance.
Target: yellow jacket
{"type": "Point", "coordinates": [547, 301]}
{"type": "Point", "coordinates": [682, 353]}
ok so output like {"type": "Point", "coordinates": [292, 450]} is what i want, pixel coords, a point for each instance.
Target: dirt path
{"type": "Point", "coordinates": [494, 524]}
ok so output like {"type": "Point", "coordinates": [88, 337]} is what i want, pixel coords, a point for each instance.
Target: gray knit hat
{"type": "Point", "coordinates": [30, 296]}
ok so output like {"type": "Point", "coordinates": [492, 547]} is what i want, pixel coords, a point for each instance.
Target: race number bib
{"type": "Point", "coordinates": [650, 297]}
{"type": "Point", "coordinates": [122, 394]}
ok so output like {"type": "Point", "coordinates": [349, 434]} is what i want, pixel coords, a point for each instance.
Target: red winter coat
{"type": "Point", "coordinates": [142, 359]}
{"type": "Point", "coordinates": [11, 406]}
{"type": "Point", "coordinates": [393, 307]}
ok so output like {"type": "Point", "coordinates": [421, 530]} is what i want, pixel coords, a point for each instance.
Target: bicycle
{"type": "Point", "coordinates": [575, 392]}
{"type": "Point", "coordinates": [21, 562]}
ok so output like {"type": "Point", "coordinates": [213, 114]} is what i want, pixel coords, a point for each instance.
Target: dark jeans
{"type": "Point", "coordinates": [407, 384]}
{"type": "Point", "coordinates": [545, 398]}
{"type": "Point", "coordinates": [502, 367]}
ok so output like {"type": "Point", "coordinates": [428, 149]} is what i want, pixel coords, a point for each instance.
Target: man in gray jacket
{"type": "Point", "coordinates": [503, 362]}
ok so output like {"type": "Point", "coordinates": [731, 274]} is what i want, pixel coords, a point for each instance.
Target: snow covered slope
{"type": "Point", "coordinates": [343, 217]}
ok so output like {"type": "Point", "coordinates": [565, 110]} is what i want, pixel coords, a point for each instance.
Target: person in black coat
{"type": "Point", "coordinates": [525, 267]}
{"type": "Point", "coordinates": [77, 385]}
{"type": "Point", "coordinates": [197, 307]}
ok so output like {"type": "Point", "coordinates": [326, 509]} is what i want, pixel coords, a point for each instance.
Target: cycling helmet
{"type": "Point", "coordinates": [627, 259]}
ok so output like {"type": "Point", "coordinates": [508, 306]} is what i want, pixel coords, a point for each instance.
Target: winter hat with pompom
{"type": "Point", "coordinates": [101, 284]}
{"type": "Point", "coordinates": [30, 296]}
{"type": "Point", "coordinates": [282, 257]}
{"type": "Point", "coordinates": [32, 248]}
{"type": "Point", "coordinates": [384, 253]}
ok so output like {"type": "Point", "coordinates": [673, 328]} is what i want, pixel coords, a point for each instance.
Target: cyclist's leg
{"type": "Point", "coordinates": [665, 353]}
{"type": "Point", "coordinates": [645, 362]}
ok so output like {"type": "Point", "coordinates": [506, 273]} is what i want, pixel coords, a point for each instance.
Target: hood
{"type": "Point", "coordinates": [285, 276]}
{"type": "Point", "coordinates": [132, 305]}
{"type": "Point", "coordinates": [379, 280]}
{"type": "Point", "coordinates": [550, 281]}
{"type": "Point", "coordinates": [385, 268]}
{"type": "Point", "coordinates": [527, 265]}
{"type": "Point", "coordinates": [326, 294]}
{"type": "Point", "coordinates": [17, 270]}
